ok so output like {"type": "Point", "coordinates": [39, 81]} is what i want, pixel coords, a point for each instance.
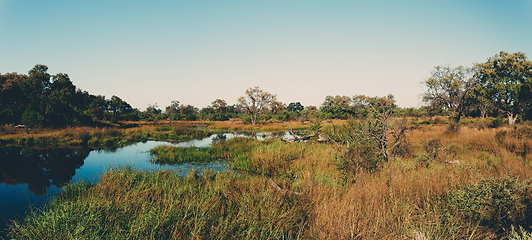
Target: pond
{"type": "Point", "coordinates": [31, 177]}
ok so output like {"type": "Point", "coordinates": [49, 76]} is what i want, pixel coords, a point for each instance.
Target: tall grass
{"type": "Point", "coordinates": [485, 195]}
{"type": "Point", "coordinates": [128, 204]}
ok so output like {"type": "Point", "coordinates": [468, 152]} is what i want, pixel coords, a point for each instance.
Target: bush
{"type": "Point", "coordinates": [31, 118]}
{"type": "Point", "coordinates": [497, 122]}
{"type": "Point", "coordinates": [493, 202]}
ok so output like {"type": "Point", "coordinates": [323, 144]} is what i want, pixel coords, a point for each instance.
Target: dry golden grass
{"type": "Point", "coordinates": [407, 198]}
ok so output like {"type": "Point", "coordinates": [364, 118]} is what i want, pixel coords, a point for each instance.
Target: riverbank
{"type": "Point", "coordinates": [471, 183]}
{"type": "Point", "coordinates": [102, 138]}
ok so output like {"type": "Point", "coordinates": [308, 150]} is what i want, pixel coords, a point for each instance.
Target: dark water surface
{"type": "Point", "coordinates": [31, 177]}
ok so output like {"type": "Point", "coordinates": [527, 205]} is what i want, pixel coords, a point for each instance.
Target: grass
{"type": "Point", "coordinates": [129, 204]}
{"type": "Point", "coordinates": [175, 155]}
{"type": "Point", "coordinates": [486, 196]}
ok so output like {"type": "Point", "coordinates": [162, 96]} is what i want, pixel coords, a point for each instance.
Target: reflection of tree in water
{"type": "Point", "coordinates": [40, 168]}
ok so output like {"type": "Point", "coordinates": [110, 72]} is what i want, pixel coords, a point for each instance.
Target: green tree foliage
{"type": "Point", "coordinates": [506, 80]}
{"type": "Point", "coordinates": [337, 107]}
{"type": "Point", "coordinates": [173, 109]}
{"type": "Point", "coordinates": [255, 102]}
{"type": "Point", "coordinates": [450, 89]}
{"type": "Point", "coordinates": [40, 99]}
{"type": "Point", "coordinates": [295, 107]}
{"type": "Point", "coordinates": [220, 107]}
{"type": "Point", "coordinates": [366, 144]}
{"type": "Point", "coordinates": [12, 101]}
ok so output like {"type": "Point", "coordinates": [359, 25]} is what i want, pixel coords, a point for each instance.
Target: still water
{"type": "Point", "coordinates": [30, 177]}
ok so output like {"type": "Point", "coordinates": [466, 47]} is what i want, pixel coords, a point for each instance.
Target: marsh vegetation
{"type": "Point", "coordinates": [469, 183]}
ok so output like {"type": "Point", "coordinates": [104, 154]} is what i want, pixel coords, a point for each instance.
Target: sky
{"type": "Point", "coordinates": [196, 51]}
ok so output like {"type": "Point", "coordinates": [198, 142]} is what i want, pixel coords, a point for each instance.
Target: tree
{"type": "Point", "coordinates": [12, 99]}
{"type": "Point", "coordinates": [189, 112]}
{"type": "Point", "coordinates": [220, 107]}
{"type": "Point", "coordinates": [481, 100]}
{"type": "Point", "coordinates": [295, 107]}
{"type": "Point", "coordinates": [507, 80]}
{"type": "Point", "coordinates": [60, 100]}
{"type": "Point", "coordinates": [449, 89]}
{"type": "Point", "coordinates": [338, 106]}
{"type": "Point", "coordinates": [173, 109]}
{"type": "Point", "coordinates": [117, 105]}
{"type": "Point", "coordinates": [38, 82]}
{"type": "Point", "coordinates": [255, 102]}
{"type": "Point", "coordinates": [378, 126]}
{"type": "Point", "coordinates": [276, 107]}
{"type": "Point", "coordinates": [153, 109]}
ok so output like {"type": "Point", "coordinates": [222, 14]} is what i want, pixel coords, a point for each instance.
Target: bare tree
{"type": "Point", "coordinates": [255, 102]}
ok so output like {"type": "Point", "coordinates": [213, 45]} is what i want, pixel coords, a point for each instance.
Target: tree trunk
{"type": "Point", "coordinates": [512, 118]}
{"type": "Point", "coordinates": [483, 112]}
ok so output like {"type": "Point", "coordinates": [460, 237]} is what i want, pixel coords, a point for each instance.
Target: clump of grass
{"type": "Point", "coordinates": [128, 204]}
{"type": "Point", "coordinates": [270, 158]}
{"type": "Point", "coordinates": [175, 155]}
{"type": "Point", "coordinates": [234, 147]}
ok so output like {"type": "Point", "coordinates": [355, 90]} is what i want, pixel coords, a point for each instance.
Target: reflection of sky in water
{"type": "Point", "coordinates": [137, 156]}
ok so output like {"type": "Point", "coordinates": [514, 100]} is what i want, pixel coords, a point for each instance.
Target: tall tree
{"type": "Point", "coordinates": [507, 79]}
{"type": "Point", "coordinates": [60, 100]}
{"type": "Point", "coordinates": [173, 109]}
{"type": "Point", "coordinates": [35, 87]}
{"type": "Point", "coordinates": [220, 107]}
{"type": "Point", "coordinates": [118, 106]}
{"type": "Point", "coordinates": [449, 89]}
{"type": "Point", "coordinates": [12, 100]}
{"type": "Point", "coordinates": [255, 102]}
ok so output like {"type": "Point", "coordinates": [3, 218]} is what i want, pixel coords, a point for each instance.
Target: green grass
{"type": "Point", "coordinates": [129, 204]}
{"type": "Point", "coordinates": [175, 155]}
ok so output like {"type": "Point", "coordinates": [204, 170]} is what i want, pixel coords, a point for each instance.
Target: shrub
{"type": "Point", "coordinates": [31, 118]}
{"type": "Point", "coordinates": [497, 122]}
{"type": "Point", "coordinates": [493, 202]}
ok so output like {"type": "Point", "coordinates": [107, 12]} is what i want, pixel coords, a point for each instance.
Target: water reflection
{"type": "Point", "coordinates": [39, 169]}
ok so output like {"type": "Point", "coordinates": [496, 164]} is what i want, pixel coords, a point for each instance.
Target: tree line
{"type": "Point", "coordinates": [499, 87]}
{"type": "Point", "coordinates": [41, 99]}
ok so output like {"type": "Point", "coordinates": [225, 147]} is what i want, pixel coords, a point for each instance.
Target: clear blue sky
{"type": "Point", "coordinates": [196, 51]}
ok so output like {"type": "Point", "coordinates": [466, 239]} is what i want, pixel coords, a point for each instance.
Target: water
{"type": "Point", "coordinates": [31, 177]}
